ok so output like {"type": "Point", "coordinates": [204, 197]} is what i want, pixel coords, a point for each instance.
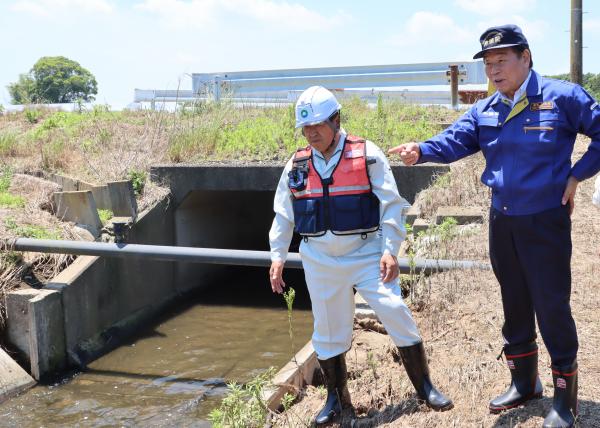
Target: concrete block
{"type": "Point", "coordinates": [297, 373]}
{"type": "Point", "coordinates": [100, 193]}
{"type": "Point", "coordinates": [412, 214]}
{"type": "Point", "coordinates": [420, 225]}
{"type": "Point", "coordinates": [47, 334]}
{"type": "Point", "coordinates": [13, 379]}
{"type": "Point", "coordinates": [122, 199]}
{"type": "Point", "coordinates": [35, 327]}
{"type": "Point", "coordinates": [68, 184]}
{"type": "Point", "coordinates": [17, 320]}
{"type": "Point", "coordinates": [79, 207]}
{"type": "Point", "coordinates": [462, 215]}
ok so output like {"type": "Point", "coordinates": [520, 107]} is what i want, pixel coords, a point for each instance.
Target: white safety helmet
{"type": "Point", "coordinates": [315, 105]}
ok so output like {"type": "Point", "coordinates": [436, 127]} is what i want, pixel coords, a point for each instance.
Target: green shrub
{"type": "Point", "coordinates": [244, 405]}
{"type": "Point", "coordinates": [138, 180]}
{"type": "Point", "coordinates": [105, 215]}
{"type": "Point", "coordinates": [32, 115]}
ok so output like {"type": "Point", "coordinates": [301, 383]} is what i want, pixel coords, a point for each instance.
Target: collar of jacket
{"type": "Point", "coordinates": [534, 88]}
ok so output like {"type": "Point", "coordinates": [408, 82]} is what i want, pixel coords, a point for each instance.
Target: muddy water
{"type": "Point", "coordinates": [175, 372]}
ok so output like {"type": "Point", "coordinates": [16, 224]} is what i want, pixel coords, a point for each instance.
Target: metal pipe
{"type": "Point", "coordinates": [206, 255]}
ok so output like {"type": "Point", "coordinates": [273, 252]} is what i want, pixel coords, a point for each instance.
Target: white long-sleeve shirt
{"type": "Point", "coordinates": [392, 205]}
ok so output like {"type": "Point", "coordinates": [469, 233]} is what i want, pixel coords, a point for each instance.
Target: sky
{"type": "Point", "coordinates": [157, 44]}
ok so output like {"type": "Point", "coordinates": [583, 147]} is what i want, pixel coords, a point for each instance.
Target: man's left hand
{"type": "Point", "coordinates": [388, 267]}
{"type": "Point", "coordinates": [569, 195]}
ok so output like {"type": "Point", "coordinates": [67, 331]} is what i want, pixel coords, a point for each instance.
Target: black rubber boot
{"type": "Point", "coordinates": [564, 406]}
{"type": "Point", "coordinates": [522, 360]}
{"type": "Point", "coordinates": [415, 362]}
{"type": "Point", "coordinates": [338, 397]}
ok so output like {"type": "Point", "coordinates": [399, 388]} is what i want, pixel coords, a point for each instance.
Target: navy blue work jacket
{"type": "Point", "coordinates": [527, 147]}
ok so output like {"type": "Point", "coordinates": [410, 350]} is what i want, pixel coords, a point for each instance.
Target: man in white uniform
{"type": "Point", "coordinates": [339, 193]}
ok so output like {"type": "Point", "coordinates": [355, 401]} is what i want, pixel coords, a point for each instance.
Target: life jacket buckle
{"type": "Point", "coordinates": [297, 179]}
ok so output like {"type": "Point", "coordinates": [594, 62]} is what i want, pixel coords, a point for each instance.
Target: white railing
{"type": "Point", "coordinates": [369, 82]}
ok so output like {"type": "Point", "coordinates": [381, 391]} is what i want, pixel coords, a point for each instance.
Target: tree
{"type": "Point", "coordinates": [55, 80]}
{"type": "Point", "coordinates": [22, 91]}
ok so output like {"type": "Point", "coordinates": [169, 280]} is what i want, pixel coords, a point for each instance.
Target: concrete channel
{"type": "Point", "coordinates": [98, 303]}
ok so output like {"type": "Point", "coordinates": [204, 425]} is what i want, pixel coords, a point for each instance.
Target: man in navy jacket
{"type": "Point", "coordinates": [526, 132]}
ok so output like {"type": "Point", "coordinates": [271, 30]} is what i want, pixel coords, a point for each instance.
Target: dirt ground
{"type": "Point", "coordinates": [460, 316]}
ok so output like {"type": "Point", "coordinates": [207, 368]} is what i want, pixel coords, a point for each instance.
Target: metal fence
{"type": "Point", "coordinates": [367, 82]}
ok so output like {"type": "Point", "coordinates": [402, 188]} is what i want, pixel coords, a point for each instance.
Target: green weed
{"type": "Point", "coordinates": [289, 297]}
{"type": "Point", "coordinates": [105, 215]}
{"type": "Point", "coordinates": [11, 201]}
{"type": "Point", "coordinates": [244, 405]}
{"type": "Point", "coordinates": [287, 401]}
{"type": "Point", "coordinates": [33, 116]}
{"type": "Point", "coordinates": [10, 259]}
{"type": "Point", "coordinates": [5, 179]}
{"type": "Point", "coordinates": [8, 200]}
{"type": "Point", "coordinates": [138, 180]}
{"type": "Point", "coordinates": [30, 231]}
{"type": "Point", "coordinates": [8, 144]}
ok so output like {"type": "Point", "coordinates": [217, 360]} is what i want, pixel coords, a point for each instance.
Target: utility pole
{"type": "Point", "coordinates": [576, 42]}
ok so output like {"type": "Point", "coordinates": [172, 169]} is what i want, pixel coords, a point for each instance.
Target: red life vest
{"type": "Point", "coordinates": [343, 203]}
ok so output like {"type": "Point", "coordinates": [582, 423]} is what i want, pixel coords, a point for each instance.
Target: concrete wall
{"type": "Point", "coordinates": [101, 293]}
{"type": "Point", "coordinates": [100, 298]}
{"type": "Point", "coordinates": [183, 179]}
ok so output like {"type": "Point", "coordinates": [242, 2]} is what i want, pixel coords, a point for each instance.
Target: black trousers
{"type": "Point", "coordinates": [531, 258]}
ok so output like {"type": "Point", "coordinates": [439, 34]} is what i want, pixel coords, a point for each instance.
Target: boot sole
{"type": "Point", "coordinates": [441, 409]}
{"type": "Point", "coordinates": [496, 410]}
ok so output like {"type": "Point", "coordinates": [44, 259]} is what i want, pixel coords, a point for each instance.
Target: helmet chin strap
{"type": "Point", "coordinates": [334, 127]}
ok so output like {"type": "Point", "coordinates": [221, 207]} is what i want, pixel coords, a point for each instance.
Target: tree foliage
{"type": "Point", "coordinates": [54, 80]}
{"type": "Point", "coordinates": [23, 90]}
{"type": "Point", "coordinates": [591, 82]}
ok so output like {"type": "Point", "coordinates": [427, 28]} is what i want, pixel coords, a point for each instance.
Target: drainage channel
{"type": "Point", "coordinates": [174, 372]}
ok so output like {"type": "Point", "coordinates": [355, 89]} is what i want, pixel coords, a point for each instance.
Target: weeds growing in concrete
{"type": "Point", "coordinates": [105, 215]}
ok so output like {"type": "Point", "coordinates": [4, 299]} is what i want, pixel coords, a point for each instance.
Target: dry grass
{"type": "Point", "coordinates": [459, 314]}
{"type": "Point", "coordinates": [33, 220]}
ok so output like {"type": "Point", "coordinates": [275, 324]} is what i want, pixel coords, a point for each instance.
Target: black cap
{"type": "Point", "coordinates": [503, 36]}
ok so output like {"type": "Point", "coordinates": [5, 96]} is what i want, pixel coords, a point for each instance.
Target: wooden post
{"type": "Point", "coordinates": [576, 42]}
{"type": "Point", "coordinates": [454, 86]}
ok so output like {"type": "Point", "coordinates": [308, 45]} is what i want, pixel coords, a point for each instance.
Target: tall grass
{"type": "Point", "coordinates": [100, 145]}
{"type": "Point", "coordinates": [8, 144]}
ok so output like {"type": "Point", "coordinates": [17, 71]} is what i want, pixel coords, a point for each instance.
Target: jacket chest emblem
{"type": "Point", "coordinates": [546, 105]}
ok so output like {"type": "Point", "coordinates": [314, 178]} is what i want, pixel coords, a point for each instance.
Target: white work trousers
{"type": "Point", "coordinates": [333, 266]}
